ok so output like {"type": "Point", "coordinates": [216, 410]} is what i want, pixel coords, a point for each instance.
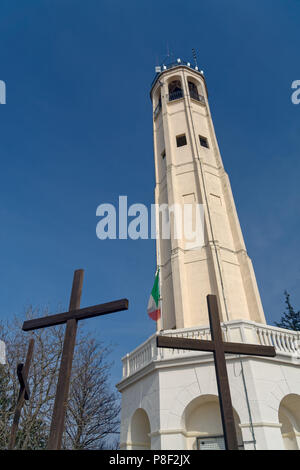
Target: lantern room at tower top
{"type": "Point", "coordinates": [179, 63]}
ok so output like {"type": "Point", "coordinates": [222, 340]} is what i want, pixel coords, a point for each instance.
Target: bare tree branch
{"type": "Point", "coordinates": [93, 408]}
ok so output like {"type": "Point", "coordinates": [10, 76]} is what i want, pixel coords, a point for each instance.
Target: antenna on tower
{"type": "Point", "coordinates": [169, 55]}
{"type": "Point", "coordinates": [162, 65]}
{"type": "Point", "coordinates": [195, 57]}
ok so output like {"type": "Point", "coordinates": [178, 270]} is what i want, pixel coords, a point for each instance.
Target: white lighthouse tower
{"type": "Point", "coordinates": [169, 398]}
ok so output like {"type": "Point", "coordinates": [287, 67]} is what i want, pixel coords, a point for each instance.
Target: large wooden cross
{"type": "Point", "coordinates": [218, 347]}
{"type": "Point", "coordinates": [71, 318]}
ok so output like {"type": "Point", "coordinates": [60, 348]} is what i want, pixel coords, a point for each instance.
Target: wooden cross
{"type": "Point", "coordinates": [24, 394]}
{"type": "Point", "coordinates": [70, 318]}
{"type": "Point", "coordinates": [218, 348]}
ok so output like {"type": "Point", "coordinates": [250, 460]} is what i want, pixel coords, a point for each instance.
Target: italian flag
{"type": "Point", "coordinates": [153, 308]}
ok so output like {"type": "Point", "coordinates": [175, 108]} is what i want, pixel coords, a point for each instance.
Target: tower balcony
{"type": "Point", "coordinates": [195, 96]}
{"type": "Point", "coordinates": [177, 95]}
{"type": "Point", "coordinates": [286, 343]}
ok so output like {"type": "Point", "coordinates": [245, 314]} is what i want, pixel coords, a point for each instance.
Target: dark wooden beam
{"type": "Point", "coordinates": [175, 342]}
{"type": "Point", "coordinates": [249, 349]}
{"type": "Point", "coordinates": [76, 314]}
{"type": "Point", "coordinates": [23, 382]}
{"type": "Point", "coordinates": [191, 344]}
{"type": "Point", "coordinates": [221, 375]}
{"type": "Point", "coordinates": [62, 390]}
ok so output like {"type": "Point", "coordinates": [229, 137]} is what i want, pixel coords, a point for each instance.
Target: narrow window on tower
{"type": "Point", "coordinates": [181, 140]}
{"type": "Point", "coordinates": [158, 107]}
{"type": "Point", "coordinates": [163, 163]}
{"type": "Point", "coordinates": [203, 141]}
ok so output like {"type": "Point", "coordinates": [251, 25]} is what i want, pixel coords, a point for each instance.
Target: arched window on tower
{"type": "Point", "coordinates": [193, 91]}
{"type": "Point", "coordinates": [175, 90]}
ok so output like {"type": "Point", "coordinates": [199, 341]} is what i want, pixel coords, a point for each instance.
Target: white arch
{"type": "Point", "coordinates": [289, 417]}
{"type": "Point", "coordinates": [139, 431]}
{"type": "Point", "coordinates": [174, 78]}
{"type": "Point", "coordinates": [196, 82]}
{"type": "Point", "coordinates": [177, 402]}
{"type": "Point", "coordinates": [176, 92]}
{"type": "Point", "coordinates": [202, 418]}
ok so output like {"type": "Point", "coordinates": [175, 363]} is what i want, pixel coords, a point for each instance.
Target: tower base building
{"type": "Point", "coordinates": [169, 397]}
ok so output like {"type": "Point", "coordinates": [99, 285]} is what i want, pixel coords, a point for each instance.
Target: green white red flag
{"type": "Point", "coordinates": [154, 310]}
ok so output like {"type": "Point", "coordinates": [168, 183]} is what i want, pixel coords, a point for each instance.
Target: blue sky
{"type": "Point", "coordinates": [77, 131]}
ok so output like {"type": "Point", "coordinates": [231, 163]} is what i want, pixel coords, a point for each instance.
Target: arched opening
{"type": "Point", "coordinates": [203, 425]}
{"type": "Point", "coordinates": [139, 432]}
{"type": "Point", "coordinates": [289, 418]}
{"type": "Point", "coordinates": [175, 90]}
{"type": "Point", "coordinates": [193, 90]}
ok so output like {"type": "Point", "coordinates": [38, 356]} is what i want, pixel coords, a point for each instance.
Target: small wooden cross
{"type": "Point", "coordinates": [23, 382]}
{"type": "Point", "coordinates": [24, 394]}
{"type": "Point", "coordinates": [218, 347]}
{"type": "Point", "coordinates": [70, 318]}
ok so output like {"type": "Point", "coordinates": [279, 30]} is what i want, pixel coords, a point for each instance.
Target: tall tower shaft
{"type": "Point", "coordinates": [189, 170]}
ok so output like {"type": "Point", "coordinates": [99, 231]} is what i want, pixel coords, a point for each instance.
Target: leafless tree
{"type": "Point", "coordinates": [93, 408]}
{"type": "Point", "coordinates": [90, 417]}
